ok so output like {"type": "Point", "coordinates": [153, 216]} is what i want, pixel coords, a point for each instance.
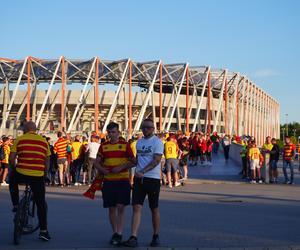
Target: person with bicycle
{"type": "Point", "coordinates": [30, 160]}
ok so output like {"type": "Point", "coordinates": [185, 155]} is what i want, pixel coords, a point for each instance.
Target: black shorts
{"type": "Point", "coordinates": [146, 186]}
{"type": "Point", "coordinates": [4, 165]}
{"type": "Point", "coordinates": [115, 192]}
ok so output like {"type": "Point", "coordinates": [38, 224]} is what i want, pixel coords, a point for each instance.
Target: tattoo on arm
{"type": "Point", "coordinates": [156, 160]}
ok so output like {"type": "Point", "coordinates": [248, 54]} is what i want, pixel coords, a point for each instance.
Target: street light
{"type": "Point", "coordinates": [283, 129]}
{"type": "Point", "coordinates": [286, 124]}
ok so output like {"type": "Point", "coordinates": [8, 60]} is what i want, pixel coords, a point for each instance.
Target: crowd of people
{"type": "Point", "coordinates": [72, 158]}
{"type": "Point", "coordinates": [130, 170]}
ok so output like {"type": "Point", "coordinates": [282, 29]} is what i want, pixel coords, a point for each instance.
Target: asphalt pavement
{"type": "Point", "coordinates": [211, 211]}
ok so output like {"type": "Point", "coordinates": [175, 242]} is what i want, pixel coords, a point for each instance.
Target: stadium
{"type": "Point", "coordinates": [85, 95]}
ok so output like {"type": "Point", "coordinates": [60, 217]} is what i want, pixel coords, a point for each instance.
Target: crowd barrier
{"type": "Point", "coordinates": [234, 153]}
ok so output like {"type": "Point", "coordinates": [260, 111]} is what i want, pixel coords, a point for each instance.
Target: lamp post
{"type": "Point", "coordinates": [286, 124]}
{"type": "Point", "coordinates": [283, 129]}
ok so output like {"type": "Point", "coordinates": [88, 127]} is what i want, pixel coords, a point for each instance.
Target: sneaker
{"type": "Point", "coordinates": [131, 242]}
{"type": "Point", "coordinates": [170, 186]}
{"type": "Point", "coordinates": [177, 184]}
{"type": "Point", "coordinates": [260, 181]}
{"type": "Point", "coordinates": [44, 236]}
{"type": "Point", "coordinates": [76, 184]}
{"type": "Point", "coordinates": [155, 241]}
{"type": "Point", "coordinates": [116, 239]}
{"type": "Point", "coordinates": [253, 182]}
{"type": "Point", "coordinates": [286, 182]}
{"type": "Point", "coordinates": [291, 183]}
{"type": "Point", "coordinates": [4, 184]}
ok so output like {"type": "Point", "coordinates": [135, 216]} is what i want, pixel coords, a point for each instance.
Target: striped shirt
{"type": "Point", "coordinates": [114, 155]}
{"type": "Point", "coordinates": [288, 152]}
{"type": "Point", "coordinates": [32, 150]}
{"type": "Point", "coordinates": [60, 148]}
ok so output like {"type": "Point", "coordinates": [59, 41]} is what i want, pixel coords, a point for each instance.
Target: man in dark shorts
{"type": "Point", "coordinates": [33, 154]}
{"type": "Point", "coordinates": [114, 159]}
{"type": "Point", "coordinates": [146, 182]}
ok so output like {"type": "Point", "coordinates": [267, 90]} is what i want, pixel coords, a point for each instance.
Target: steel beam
{"type": "Point", "coordinates": [201, 100]}
{"type": "Point", "coordinates": [177, 97]}
{"type": "Point", "coordinates": [216, 121]}
{"type": "Point", "coordinates": [13, 95]}
{"type": "Point", "coordinates": [147, 98]}
{"type": "Point", "coordinates": [48, 93]}
{"type": "Point", "coordinates": [114, 103]}
{"type": "Point", "coordinates": [81, 96]}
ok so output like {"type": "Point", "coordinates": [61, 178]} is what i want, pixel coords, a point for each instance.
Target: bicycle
{"type": "Point", "coordinates": [26, 219]}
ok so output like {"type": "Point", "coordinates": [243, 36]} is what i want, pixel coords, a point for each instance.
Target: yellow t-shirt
{"type": "Point", "coordinates": [171, 150]}
{"type": "Point", "coordinates": [76, 147]}
{"type": "Point", "coordinates": [133, 147]}
{"type": "Point", "coordinates": [6, 149]}
{"type": "Point", "coordinates": [254, 154]}
{"type": "Point", "coordinates": [267, 146]}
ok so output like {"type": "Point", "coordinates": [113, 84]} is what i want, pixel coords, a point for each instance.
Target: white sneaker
{"type": "Point", "coordinates": [253, 181]}
{"type": "Point", "coordinates": [170, 186]}
{"type": "Point", "coordinates": [260, 181]}
{"type": "Point", "coordinates": [76, 184]}
{"type": "Point", "coordinates": [177, 184]}
{"type": "Point", "coordinates": [4, 184]}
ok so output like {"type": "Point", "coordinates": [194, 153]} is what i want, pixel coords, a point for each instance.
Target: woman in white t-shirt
{"type": "Point", "coordinates": [93, 147]}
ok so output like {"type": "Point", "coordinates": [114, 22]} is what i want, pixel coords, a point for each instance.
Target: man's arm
{"type": "Point", "coordinates": [47, 164]}
{"type": "Point", "coordinates": [130, 164]}
{"type": "Point", "coordinates": [156, 160]}
{"type": "Point", "coordinates": [12, 159]}
{"type": "Point", "coordinates": [98, 165]}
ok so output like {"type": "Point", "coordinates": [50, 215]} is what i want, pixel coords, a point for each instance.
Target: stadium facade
{"type": "Point", "coordinates": [85, 95]}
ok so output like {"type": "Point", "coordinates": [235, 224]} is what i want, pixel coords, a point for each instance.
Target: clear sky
{"type": "Point", "coordinates": [258, 38]}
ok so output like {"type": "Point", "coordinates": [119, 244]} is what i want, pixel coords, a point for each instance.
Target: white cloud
{"type": "Point", "coordinates": [266, 73]}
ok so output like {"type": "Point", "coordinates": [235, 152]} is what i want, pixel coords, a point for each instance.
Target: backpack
{"type": "Point", "coordinates": [2, 155]}
{"type": "Point", "coordinates": [69, 149]}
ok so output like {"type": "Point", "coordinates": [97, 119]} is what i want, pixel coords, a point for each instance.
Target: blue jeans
{"type": "Point", "coordinates": [291, 166]}
{"type": "Point", "coordinates": [215, 148]}
{"type": "Point", "coordinates": [77, 165]}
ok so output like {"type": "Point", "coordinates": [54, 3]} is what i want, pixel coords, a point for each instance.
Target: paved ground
{"type": "Point", "coordinates": [229, 214]}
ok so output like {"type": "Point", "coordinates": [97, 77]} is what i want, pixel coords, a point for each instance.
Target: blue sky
{"type": "Point", "coordinates": [260, 39]}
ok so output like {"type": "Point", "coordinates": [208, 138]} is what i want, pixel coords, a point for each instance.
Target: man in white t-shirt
{"type": "Point", "coordinates": [146, 182]}
{"type": "Point", "coordinates": [93, 147]}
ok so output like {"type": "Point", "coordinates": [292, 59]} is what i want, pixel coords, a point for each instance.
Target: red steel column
{"type": "Point", "coordinates": [187, 101]}
{"type": "Point", "coordinates": [225, 105]}
{"type": "Point", "coordinates": [62, 108]}
{"type": "Point", "coordinates": [208, 105]}
{"type": "Point", "coordinates": [160, 97]}
{"type": "Point", "coordinates": [97, 96]}
{"type": "Point", "coordinates": [28, 89]}
{"type": "Point", "coordinates": [237, 109]}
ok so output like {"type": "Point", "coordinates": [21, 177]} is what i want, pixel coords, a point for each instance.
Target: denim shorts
{"type": "Point", "coordinates": [273, 164]}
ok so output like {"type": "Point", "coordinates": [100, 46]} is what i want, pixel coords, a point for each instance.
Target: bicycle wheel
{"type": "Point", "coordinates": [18, 222]}
{"type": "Point", "coordinates": [32, 221]}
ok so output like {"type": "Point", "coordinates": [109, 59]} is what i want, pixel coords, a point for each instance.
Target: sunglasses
{"type": "Point", "coordinates": [147, 127]}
